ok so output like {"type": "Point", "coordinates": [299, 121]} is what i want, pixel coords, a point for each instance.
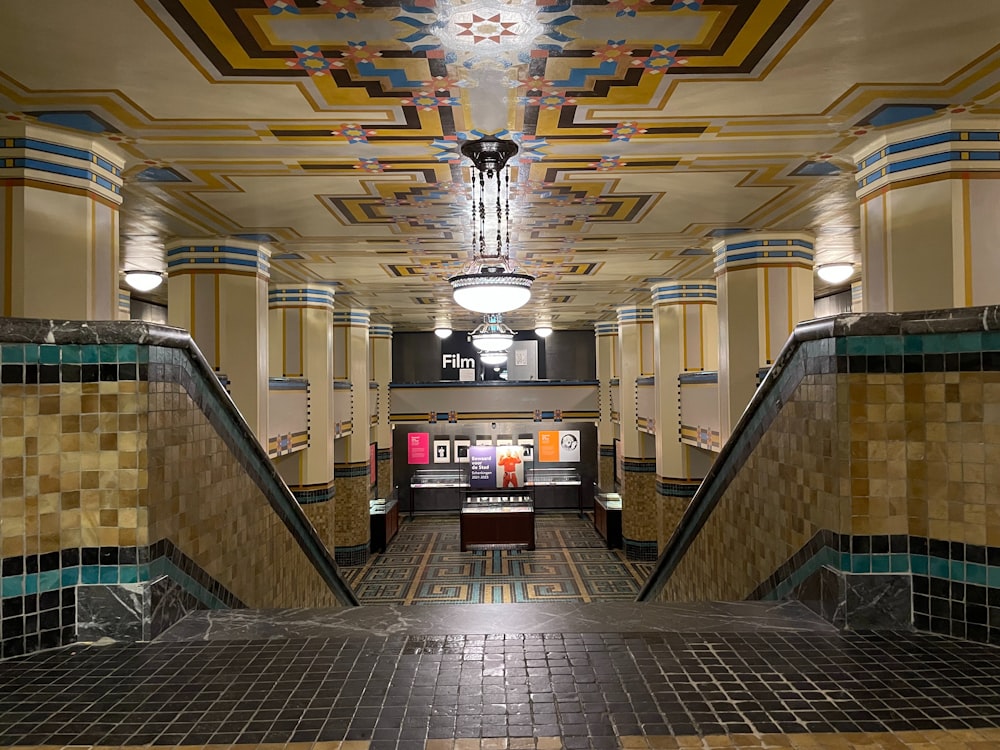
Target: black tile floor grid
{"type": "Point", "coordinates": [587, 689]}
{"type": "Point", "coordinates": [424, 565]}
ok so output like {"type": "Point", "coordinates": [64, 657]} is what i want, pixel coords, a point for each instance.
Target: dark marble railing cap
{"type": "Point", "coordinates": [41, 331]}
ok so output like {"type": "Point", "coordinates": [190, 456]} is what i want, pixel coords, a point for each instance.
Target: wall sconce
{"type": "Point", "coordinates": [143, 281]}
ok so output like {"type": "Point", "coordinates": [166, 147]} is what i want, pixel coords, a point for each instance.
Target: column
{"type": "Point", "coordinates": [929, 220]}
{"type": "Point", "coordinates": [857, 297]}
{"type": "Point", "coordinates": [217, 290]}
{"type": "Point", "coordinates": [765, 286]}
{"type": "Point", "coordinates": [124, 304]}
{"type": "Point", "coordinates": [60, 194]}
{"type": "Point", "coordinates": [685, 340]}
{"type": "Point", "coordinates": [352, 528]}
{"type": "Point", "coordinates": [635, 344]}
{"type": "Point", "coordinates": [300, 328]}
{"type": "Point", "coordinates": [607, 369]}
{"type": "Point", "coordinates": [381, 373]}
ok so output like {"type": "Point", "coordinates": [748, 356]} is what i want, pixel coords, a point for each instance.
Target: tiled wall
{"type": "Point", "coordinates": [639, 509]}
{"type": "Point", "coordinates": [874, 457]}
{"type": "Point", "coordinates": [352, 529]}
{"type": "Point", "coordinates": [113, 477]}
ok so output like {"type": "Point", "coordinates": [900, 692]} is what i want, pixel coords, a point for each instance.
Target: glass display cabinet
{"type": "Point", "coordinates": [497, 519]}
{"type": "Point", "coordinates": [608, 517]}
{"type": "Point", "coordinates": [556, 487]}
{"type": "Point", "coordinates": [384, 516]}
{"type": "Point", "coordinates": [437, 489]}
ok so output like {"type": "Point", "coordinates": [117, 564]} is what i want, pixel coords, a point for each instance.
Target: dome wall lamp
{"type": "Point", "coordinates": [543, 331]}
{"type": "Point", "coordinates": [835, 273]}
{"type": "Point", "coordinates": [442, 332]}
{"type": "Point", "coordinates": [143, 281]}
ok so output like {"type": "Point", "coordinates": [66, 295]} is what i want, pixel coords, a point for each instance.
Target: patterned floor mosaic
{"type": "Point", "coordinates": [571, 563]}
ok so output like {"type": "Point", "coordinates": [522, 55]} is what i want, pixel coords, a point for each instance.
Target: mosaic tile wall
{"type": "Point", "coordinates": [639, 509]}
{"type": "Point", "coordinates": [672, 499]}
{"type": "Point", "coordinates": [113, 478]}
{"type": "Point", "coordinates": [874, 458]}
{"type": "Point", "coordinates": [384, 471]}
{"type": "Point", "coordinates": [352, 527]}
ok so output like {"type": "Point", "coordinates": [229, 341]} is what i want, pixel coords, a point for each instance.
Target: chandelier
{"type": "Point", "coordinates": [492, 336]}
{"type": "Point", "coordinates": [490, 283]}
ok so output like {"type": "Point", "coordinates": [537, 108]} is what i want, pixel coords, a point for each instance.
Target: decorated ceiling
{"type": "Point", "coordinates": [647, 129]}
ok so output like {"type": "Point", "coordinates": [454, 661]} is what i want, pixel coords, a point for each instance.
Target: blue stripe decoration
{"type": "Point", "coordinates": [953, 136]}
{"type": "Point", "coordinates": [927, 161]}
{"type": "Point", "coordinates": [606, 329]}
{"type": "Point", "coordinates": [380, 330]}
{"type": "Point", "coordinates": [635, 314]}
{"type": "Point", "coordinates": [695, 378]}
{"type": "Point", "coordinates": [768, 243]}
{"type": "Point", "coordinates": [61, 169]}
{"type": "Point", "coordinates": [352, 316]}
{"type": "Point", "coordinates": [214, 249]}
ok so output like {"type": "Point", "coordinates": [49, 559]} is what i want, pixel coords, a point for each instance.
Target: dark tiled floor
{"type": "Point", "coordinates": [591, 690]}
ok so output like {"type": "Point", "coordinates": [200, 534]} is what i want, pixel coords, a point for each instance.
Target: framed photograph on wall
{"type": "Point", "coordinates": [442, 451]}
{"type": "Point", "coordinates": [461, 450]}
{"type": "Point", "coordinates": [527, 448]}
{"type": "Point", "coordinates": [505, 440]}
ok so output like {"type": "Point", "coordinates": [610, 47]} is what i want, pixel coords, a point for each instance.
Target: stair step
{"type": "Point", "coordinates": [487, 619]}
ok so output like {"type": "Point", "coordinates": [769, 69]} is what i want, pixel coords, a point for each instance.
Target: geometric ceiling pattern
{"type": "Point", "coordinates": [647, 129]}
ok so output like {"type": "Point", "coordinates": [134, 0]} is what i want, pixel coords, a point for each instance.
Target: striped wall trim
{"type": "Point", "coordinates": [606, 329]}
{"type": "Point", "coordinates": [288, 384]}
{"type": "Point", "coordinates": [698, 378]}
{"type": "Point", "coordinates": [359, 318]}
{"type": "Point", "coordinates": [640, 550]}
{"type": "Point", "coordinates": [35, 574]}
{"type": "Point", "coordinates": [635, 315]}
{"type": "Point", "coordinates": [614, 381]}
{"type": "Point", "coordinates": [560, 384]}
{"type": "Point", "coordinates": [678, 294]}
{"type": "Point", "coordinates": [295, 297]}
{"type": "Point", "coordinates": [353, 555]}
{"type": "Point", "coordinates": [541, 415]}
{"type": "Point", "coordinates": [347, 471]}
{"type": "Point", "coordinates": [380, 331]}
{"type": "Point", "coordinates": [314, 493]}
{"type": "Point", "coordinates": [383, 454]}
{"type": "Point", "coordinates": [639, 465]}
{"type": "Point", "coordinates": [185, 259]}
{"type": "Point", "coordinates": [341, 385]}
{"type": "Point", "coordinates": [282, 445]}
{"type": "Point", "coordinates": [645, 381]}
{"type": "Point", "coordinates": [763, 252]}
{"type": "Point", "coordinates": [701, 437]}
{"type": "Point", "coordinates": [124, 304]}
{"type": "Point", "coordinates": [956, 150]}
{"type": "Point", "coordinates": [675, 488]}
{"type": "Point", "coordinates": [607, 451]}
{"type": "Point", "coordinates": [59, 164]}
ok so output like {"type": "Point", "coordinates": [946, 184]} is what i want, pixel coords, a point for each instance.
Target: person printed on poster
{"type": "Point", "coordinates": [509, 460]}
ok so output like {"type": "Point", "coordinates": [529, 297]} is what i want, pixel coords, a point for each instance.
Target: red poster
{"type": "Point", "coordinates": [418, 448]}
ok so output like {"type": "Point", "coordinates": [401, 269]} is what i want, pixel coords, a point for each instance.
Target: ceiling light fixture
{"type": "Point", "coordinates": [143, 281]}
{"type": "Point", "coordinates": [543, 331]}
{"type": "Point", "coordinates": [834, 273]}
{"type": "Point", "coordinates": [492, 335]}
{"type": "Point", "coordinates": [442, 332]}
{"type": "Point", "coordinates": [490, 283]}
{"type": "Point", "coordinates": [493, 358]}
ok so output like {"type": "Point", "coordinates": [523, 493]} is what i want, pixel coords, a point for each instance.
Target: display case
{"type": "Point", "coordinates": [437, 490]}
{"type": "Point", "coordinates": [608, 517]}
{"type": "Point", "coordinates": [384, 517]}
{"type": "Point", "coordinates": [497, 519]}
{"type": "Point", "coordinates": [556, 487]}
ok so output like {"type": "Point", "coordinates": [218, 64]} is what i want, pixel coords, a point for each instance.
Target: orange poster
{"type": "Point", "coordinates": [548, 445]}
